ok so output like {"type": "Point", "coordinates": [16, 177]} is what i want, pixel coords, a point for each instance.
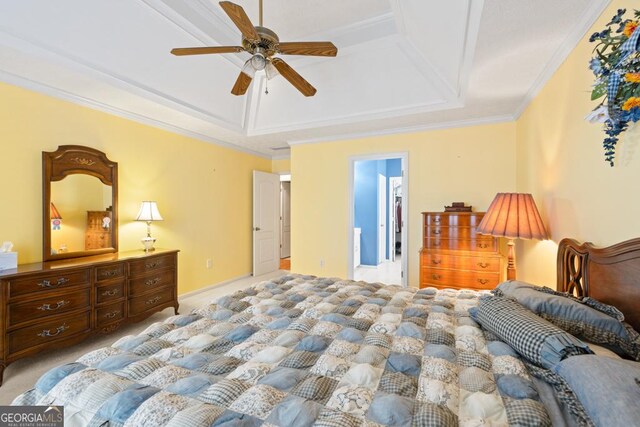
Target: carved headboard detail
{"type": "Point", "coordinates": [610, 275]}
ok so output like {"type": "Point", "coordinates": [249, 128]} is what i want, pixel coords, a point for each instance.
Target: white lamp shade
{"type": "Point", "coordinates": [149, 212]}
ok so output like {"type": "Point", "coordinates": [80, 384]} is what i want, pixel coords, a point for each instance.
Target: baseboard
{"type": "Point", "coordinates": [367, 266]}
{"type": "Point", "coordinates": [210, 287]}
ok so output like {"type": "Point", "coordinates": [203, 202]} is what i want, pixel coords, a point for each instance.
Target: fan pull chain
{"type": "Point", "coordinates": [266, 86]}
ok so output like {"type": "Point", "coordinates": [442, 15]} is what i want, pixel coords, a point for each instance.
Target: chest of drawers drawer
{"type": "Point", "coordinates": [144, 266]}
{"type": "Point", "coordinates": [459, 279]}
{"type": "Point", "coordinates": [481, 244]}
{"type": "Point", "coordinates": [110, 272]}
{"type": "Point", "coordinates": [488, 263]}
{"type": "Point", "coordinates": [46, 282]}
{"type": "Point", "coordinates": [110, 313]}
{"type": "Point", "coordinates": [110, 293]}
{"type": "Point", "coordinates": [139, 305]}
{"type": "Point", "coordinates": [149, 282]}
{"type": "Point", "coordinates": [49, 331]}
{"type": "Point", "coordinates": [18, 313]}
{"type": "Point", "coordinates": [433, 219]}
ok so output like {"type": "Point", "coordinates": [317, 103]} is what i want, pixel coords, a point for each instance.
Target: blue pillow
{"type": "Point", "coordinates": [602, 326]}
{"type": "Point", "coordinates": [607, 388]}
{"type": "Point", "coordinates": [537, 340]}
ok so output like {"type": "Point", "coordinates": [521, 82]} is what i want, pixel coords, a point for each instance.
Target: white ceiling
{"type": "Point", "coordinates": [402, 65]}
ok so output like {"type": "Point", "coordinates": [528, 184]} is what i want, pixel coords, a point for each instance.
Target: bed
{"type": "Point", "coordinates": [302, 350]}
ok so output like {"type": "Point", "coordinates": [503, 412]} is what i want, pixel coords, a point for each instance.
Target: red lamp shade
{"type": "Point", "coordinates": [515, 216]}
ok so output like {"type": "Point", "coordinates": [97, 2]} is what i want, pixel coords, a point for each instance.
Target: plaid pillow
{"type": "Point", "coordinates": [534, 338]}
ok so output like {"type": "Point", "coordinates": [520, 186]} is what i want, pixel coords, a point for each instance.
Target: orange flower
{"type": "Point", "coordinates": [630, 28]}
{"type": "Point", "coordinates": [632, 77]}
{"type": "Point", "coordinates": [631, 103]}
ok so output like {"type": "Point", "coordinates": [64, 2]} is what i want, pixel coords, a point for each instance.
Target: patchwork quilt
{"type": "Point", "coordinates": [303, 351]}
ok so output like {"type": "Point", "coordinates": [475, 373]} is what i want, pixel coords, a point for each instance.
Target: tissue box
{"type": "Point", "coordinates": [8, 260]}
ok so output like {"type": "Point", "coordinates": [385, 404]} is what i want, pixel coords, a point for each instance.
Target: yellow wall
{"type": "Point", "coordinates": [281, 165]}
{"type": "Point", "coordinates": [467, 164]}
{"type": "Point", "coordinates": [203, 190]}
{"type": "Point", "coordinates": [560, 160]}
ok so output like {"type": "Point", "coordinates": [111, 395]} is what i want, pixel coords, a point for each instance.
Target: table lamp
{"type": "Point", "coordinates": [148, 213]}
{"type": "Point", "coordinates": [514, 216]}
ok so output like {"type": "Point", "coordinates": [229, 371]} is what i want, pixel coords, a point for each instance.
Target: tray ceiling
{"type": "Point", "coordinates": [402, 64]}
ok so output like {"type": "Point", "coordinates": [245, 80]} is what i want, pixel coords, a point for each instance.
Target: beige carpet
{"type": "Point", "coordinates": [23, 374]}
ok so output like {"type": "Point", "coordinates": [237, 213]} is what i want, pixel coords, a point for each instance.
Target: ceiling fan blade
{"type": "Point", "coordinates": [180, 51]}
{"type": "Point", "coordinates": [242, 21]}
{"type": "Point", "coordinates": [308, 48]}
{"type": "Point", "coordinates": [242, 84]}
{"type": "Point", "coordinates": [294, 78]}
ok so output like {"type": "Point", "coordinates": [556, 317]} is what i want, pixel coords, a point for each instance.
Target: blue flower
{"type": "Point", "coordinates": [618, 17]}
{"type": "Point", "coordinates": [632, 115]}
{"type": "Point", "coordinates": [595, 66]}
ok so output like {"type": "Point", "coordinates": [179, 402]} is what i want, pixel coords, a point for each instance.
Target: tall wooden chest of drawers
{"type": "Point", "coordinates": [44, 306]}
{"type": "Point", "coordinates": [454, 255]}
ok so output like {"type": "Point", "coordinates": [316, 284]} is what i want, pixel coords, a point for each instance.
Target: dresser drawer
{"type": "Point", "coordinates": [153, 263]}
{"type": "Point", "coordinates": [480, 244]}
{"type": "Point", "coordinates": [110, 293]}
{"type": "Point", "coordinates": [460, 220]}
{"type": "Point", "coordinates": [143, 303]}
{"type": "Point", "coordinates": [149, 282]}
{"type": "Point", "coordinates": [453, 232]}
{"type": "Point", "coordinates": [459, 262]}
{"type": "Point", "coordinates": [23, 312]}
{"type": "Point", "coordinates": [48, 331]}
{"type": "Point", "coordinates": [42, 283]}
{"type": "Point", "coordinates": [458, 279]}
{"type": "Point", "coordinates": [110, 272]}
{"type": "Point", "coordinates": [110, 313]}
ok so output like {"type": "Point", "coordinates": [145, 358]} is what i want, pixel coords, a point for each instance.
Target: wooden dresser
{"type": "Point", "coordinates": [55, 304]}
{"type": "Point", "coordinates": [453, 255]}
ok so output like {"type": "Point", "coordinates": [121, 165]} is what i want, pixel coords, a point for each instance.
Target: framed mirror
{"type": "Point", "coordinates": [80, 203]}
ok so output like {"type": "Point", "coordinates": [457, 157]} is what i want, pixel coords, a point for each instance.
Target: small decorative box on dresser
{"type": "Point", "coordinates": [55, 304]}
{"type": "Point", "coordinates": [454, 255]}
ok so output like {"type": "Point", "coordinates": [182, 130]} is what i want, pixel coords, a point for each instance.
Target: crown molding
{"type": "Point", "coordinates": [405, 130]}
{"type": "Point", "coordinates": [594, 10]}
{"type": "Point", "coordinates": [281, 156]}
{"type": "Point", "coordinates": [129, 115]}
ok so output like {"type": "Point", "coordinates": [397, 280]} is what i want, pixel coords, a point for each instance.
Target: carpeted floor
{"type": "Point", "coordinates": [23, 374]}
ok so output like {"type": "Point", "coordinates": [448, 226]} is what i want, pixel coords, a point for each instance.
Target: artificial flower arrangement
{"type": "Point", "coordinates": [616, 65]}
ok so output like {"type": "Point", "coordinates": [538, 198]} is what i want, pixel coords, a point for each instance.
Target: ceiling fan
{"type": "Point", "coordinates": [263, 44]}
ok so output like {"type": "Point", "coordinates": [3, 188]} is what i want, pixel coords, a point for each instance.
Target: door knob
{"type": "Point", "coordinates": [256, 229]}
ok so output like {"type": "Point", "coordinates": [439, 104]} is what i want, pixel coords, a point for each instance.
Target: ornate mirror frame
{"type": "Point", "coordinates": [76, 159]}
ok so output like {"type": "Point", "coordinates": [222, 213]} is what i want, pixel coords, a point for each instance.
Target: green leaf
{"type": "Point", "coordinates": [599, 91]}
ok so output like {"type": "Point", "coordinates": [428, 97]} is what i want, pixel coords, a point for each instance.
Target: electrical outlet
{"type": "Point", "coordinates": [209, 263]}
{"type": "Point", "coordinates": [321, 263]}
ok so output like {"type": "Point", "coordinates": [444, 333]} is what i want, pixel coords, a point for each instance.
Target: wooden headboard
{"type": "Point", "coordinates": [610, 275]}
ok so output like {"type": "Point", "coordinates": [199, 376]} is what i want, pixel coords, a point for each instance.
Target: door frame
{"type": "Point", "coordinates": [391, 220]}
{"type": "Point", "coordinates": [404, 160]}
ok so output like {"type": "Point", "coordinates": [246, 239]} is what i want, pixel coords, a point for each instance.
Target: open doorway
{"type": "Point", "coordinates": [285, 222]}
{"type": "Point", "coordinates": [378, 207]}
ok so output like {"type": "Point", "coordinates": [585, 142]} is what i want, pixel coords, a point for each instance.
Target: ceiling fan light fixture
{"type": "Point", "coordinates": [258, 60]}
{"type": "Point", "coordinates": [248, 69]}
{"type": "Point", "coordinates": [271, 71]}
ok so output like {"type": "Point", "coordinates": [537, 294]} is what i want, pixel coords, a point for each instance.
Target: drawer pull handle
{"type": "Point", "coordinates": [436, 243]}
{"type": "Point", "coordinates": [47, 332]}
{"type": "Point", "coordinates": [436, 219]}
{"type": "Point", "coordinates": [152, 282]}
{"type": "Point", "coordinates": [436, 261]}
{"type": "Point", "coordinates": [483, 281]}
{"type": "Point", "coordinates": [48, 284]}
{"type": "Point", "coordinates": [483, 264]}
{"type": "Point", "coordinates": [47, 307]}
{"type": "Point", "coordinates": [153, 264]}
{"type": "Point", "coordinates": [152, 300]}
{"type": "Point", "coordinates": [436, 276]}
{"type": "Point", "coordinates": [437, 231]}
{"type": "Point", "coordinates": [109, 273]}
{"type": "Point", "coordinates": [483, 245]}
{"type": "Point", "coordinates": [112, 314]}
{"type": "Point", "coordinates": [110, 293]}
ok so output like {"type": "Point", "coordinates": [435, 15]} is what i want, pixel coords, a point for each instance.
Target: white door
{"type": "Point", "coordinates": [266, 221]}
{"type": "Point", "coordinates": [285, 220]}
{"type": "Point", "coordinates": [382, 218]}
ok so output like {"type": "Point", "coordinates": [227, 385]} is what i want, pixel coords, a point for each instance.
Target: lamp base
{"type": "Point", "coordinates": [148, 243]}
